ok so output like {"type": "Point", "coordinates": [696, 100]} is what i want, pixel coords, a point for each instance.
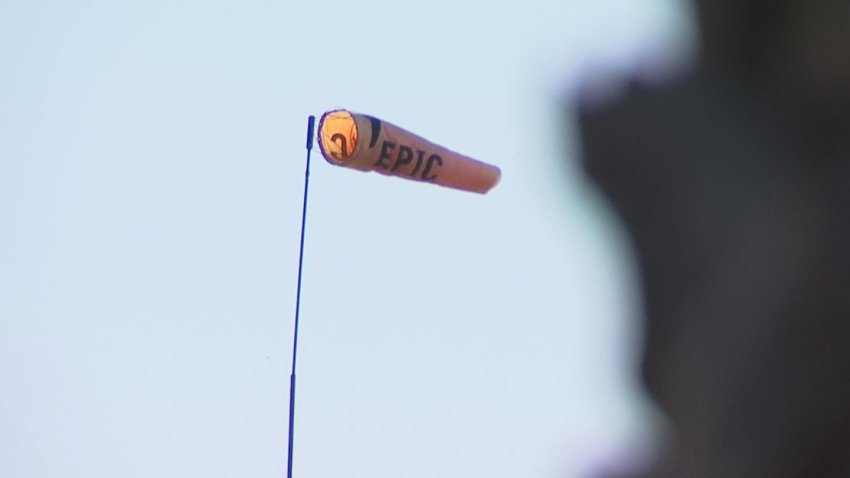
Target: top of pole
{"type": "Point", "coordinates": [311, 121]}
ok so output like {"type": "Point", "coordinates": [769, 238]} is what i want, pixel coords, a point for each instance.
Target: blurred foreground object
{"type": "Point", "coordinates": [734, 185]}
{"type": "Point", "coordinates": [369, 144]}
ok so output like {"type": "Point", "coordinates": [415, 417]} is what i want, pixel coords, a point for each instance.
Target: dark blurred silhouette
{"type": "Point", "coordinates": [734, 184]}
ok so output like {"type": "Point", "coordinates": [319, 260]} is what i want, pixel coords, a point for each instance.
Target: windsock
{"type": "Point", "coordinates": [365, 143]}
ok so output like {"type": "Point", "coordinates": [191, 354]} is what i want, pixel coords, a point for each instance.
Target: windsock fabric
{"type": "Point", "coordinates": [365, 143]}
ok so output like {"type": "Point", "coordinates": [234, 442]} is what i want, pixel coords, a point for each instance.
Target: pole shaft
{"type": "Point", "coordinates": [310, 124]}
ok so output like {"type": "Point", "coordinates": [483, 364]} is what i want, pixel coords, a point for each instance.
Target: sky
{"type": "Point", "coordinates": [151, 176]}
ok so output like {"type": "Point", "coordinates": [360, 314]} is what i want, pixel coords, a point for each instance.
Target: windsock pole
{"type": "Point", "coordinates": [311, 120]}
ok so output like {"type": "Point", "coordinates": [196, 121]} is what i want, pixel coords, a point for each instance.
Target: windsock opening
{"type": "Point", "coordinates": [337, 136]}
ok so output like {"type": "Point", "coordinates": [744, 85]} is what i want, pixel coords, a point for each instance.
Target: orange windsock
{"type": "Point", "coordinates": [362, 142]}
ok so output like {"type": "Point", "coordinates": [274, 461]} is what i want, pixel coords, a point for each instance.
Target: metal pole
{"type": "Point", "coordinates": [311, 120]}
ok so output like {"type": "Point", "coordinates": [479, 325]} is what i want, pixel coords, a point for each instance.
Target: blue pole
{"type": "Point", "coordinates": [311, 120]}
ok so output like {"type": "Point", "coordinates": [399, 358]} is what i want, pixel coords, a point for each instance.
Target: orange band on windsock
{"type": "Point", "coordinates": [362, 142]}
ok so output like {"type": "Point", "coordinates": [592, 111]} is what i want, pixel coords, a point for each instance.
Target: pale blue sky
{"type": "Point", "coordinates": [151, 174]}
